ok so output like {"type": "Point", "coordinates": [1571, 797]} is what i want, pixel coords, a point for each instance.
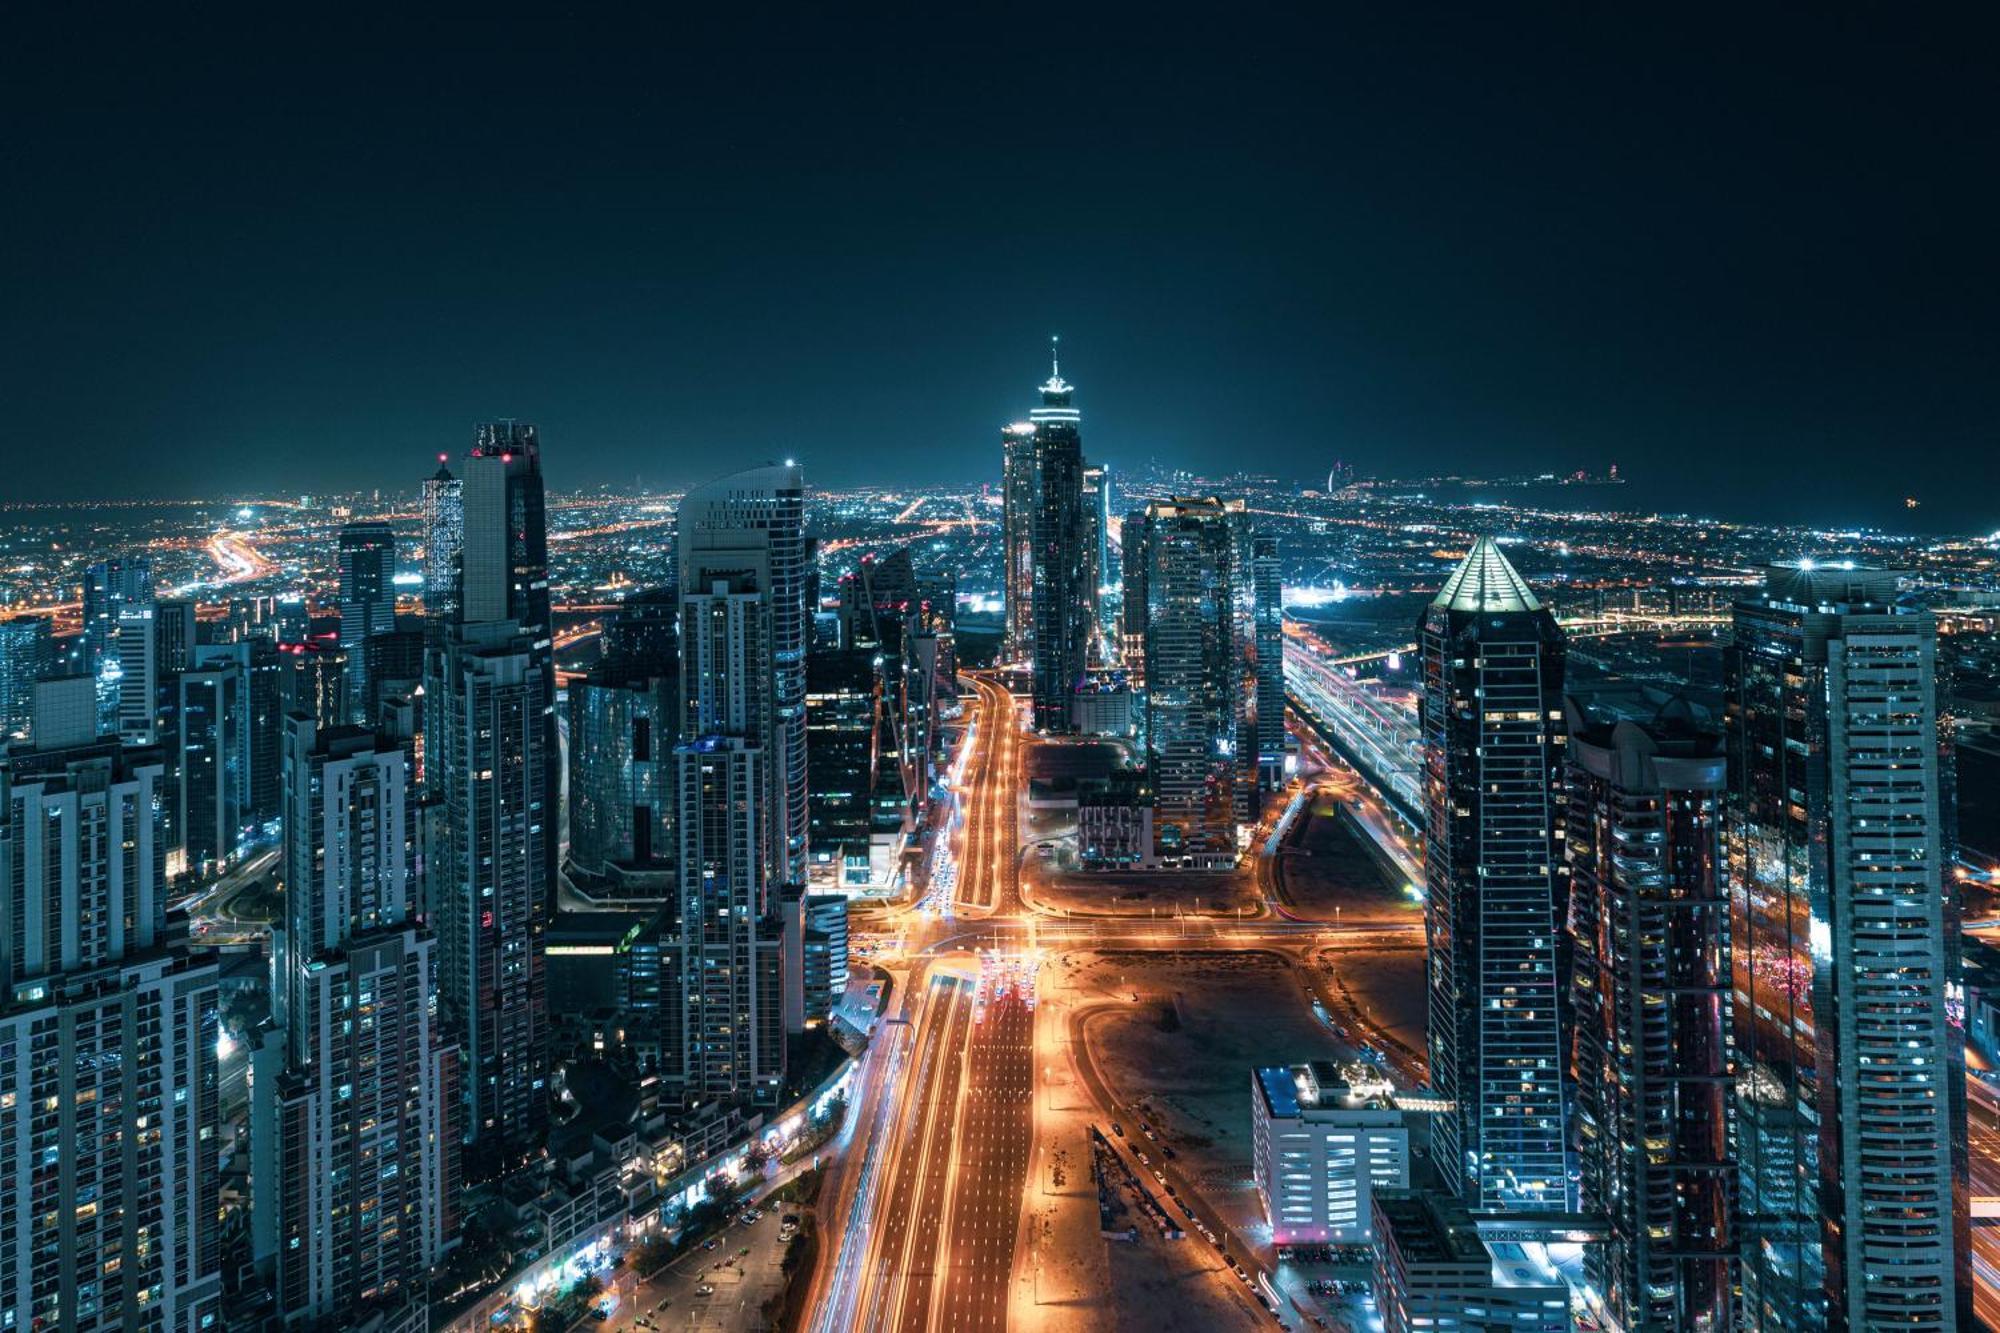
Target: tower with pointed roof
{"type": "Point", "coordinates": [1058, 533]}
{"type": "Point", "coordinates": [1493, 914]}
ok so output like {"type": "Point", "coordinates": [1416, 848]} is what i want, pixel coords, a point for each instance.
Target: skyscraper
{"type": "Point", "coordinates": [491, 892]}
{"type": "Point", "coordinates": [444, 539]}
{"type": "Point", "coordinates": [26, 655]}
{"type": "Point", "coordinates": [1268, 640]}
{"type": "Point", "coordinates": [1096, 553]}
{"type": "Point", "coordinates": [1651, 1049]}
{"type": "Point", "coordinates": [214, 753]}
{"type": "Point", "coordinates": [108, 587]}
{"type": "Point", "coordinates": [758, 516]}
{"type": "Point", "coordinates": [1133, 557]}
{"type": "Point", "coordinates": [1849, 1069]}
{"type": "Point", "coordinates": [842, 695]}
{"type": "Point", "coordinates": [135, 660]}
{"type": "Point", "coordinates": [729, 972]}
{"type": "Point", "coordinates": [622, 733]}
{"type": "Point", "coordinates": [367, 601]}
{"type": "Point", "coordinates": [1017, 539]}
{"type": "Point", "coordinates": [1493, 751]}
{"type": "Point", "coordinates": [1194, 720]}
{"type": "Point", "coordinates": [354, 1197]}
{"type": "Point", "coordinates": [1060, 535]}
{"type": "Point", "coordinates": [108, 1082]}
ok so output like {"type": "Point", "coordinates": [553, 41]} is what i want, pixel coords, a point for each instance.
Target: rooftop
{"type": "Point", "coordinates": [1485, 581]}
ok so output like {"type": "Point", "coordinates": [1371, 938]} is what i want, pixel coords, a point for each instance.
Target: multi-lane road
{"type": "Point", "coordinates": [924, 1210]}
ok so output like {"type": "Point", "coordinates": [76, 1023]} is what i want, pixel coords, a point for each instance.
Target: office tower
{"type": "Point", "coordinates": [1133, 557]}
{"type": "Point", "coordinates": [109, 586]}
{"type": "Point", "coordinates": [1017, 540]}
{"type": "Point", "coordinates": [1063, 624]}
{"type": "Point", "coordinates": [758, 517]}
{"type": "Point", "coordinates": [1268, 639]}
{"type": "Point", "coordinates": [1650, 921]}
{"type": "Point", "coordinates": [504, 571]}
{"type": "Point", "coordinates": [134, 669]}
{"type": "Point", "coordinates": [367, 601]}
{"type": "Point", "coordinates": [842, 698]}
{"type": "Point", "coordinates": [214, 775]}
{"type": "Point", "coordinates": [175, 635]}
{"type": "Point", "coordinates": [490, 887]}
{"type": "Point", "coordinates": [444, 536]}
{"type": "Point", "coordinates": [356, 1198]}
{"type": "Point", "coordinates": [109, 1119]}
{"type": "Point", "coordinates": [1848, 1068]}
{"type": "Point", "coordinates": [264, 724]}
{"type": "Point", "coordinates": [1494, 896]}
{"type": "Point", "coordinates": [622, 733]}
{"type": "Point", "coordinates": [392, 664]}
{"type": "Point", "coordinates": [1195, 714]}
{"type": "Point", "coordinates": [313, 680]}
{"type": "Point", "coordinates": [730, 991]}
{"type": "Point", "coordinates": [26, 656]}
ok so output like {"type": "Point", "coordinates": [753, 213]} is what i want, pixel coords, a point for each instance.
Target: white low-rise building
{"type": "Point", "coordinates": [1321, 1151]}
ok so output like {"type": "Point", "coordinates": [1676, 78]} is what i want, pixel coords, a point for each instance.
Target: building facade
{"type": "Point", "coordinates": [1849, 1071]}
{"type": "Point", "coordinates": [1495, 894]}
{"type": "Point", "coordinates": [762, 511]}
{"type": "Point", "coordinates": [1195, 714]}
{"type": "Point", "coordinates": [1320, 1151]}
{"type": "Point", "coordinates": [367, 601]}
{"type": "Point", "coordinates": [490, 894]}
{"type": "Point", "coordinates": [1060, 537]}
{"type": "Point", "coordinates": [109, 1115]}
{"type": "Point", "coordinates": [357, 1193]}
{"type": "Point", "coordinates": [1653, 1115]}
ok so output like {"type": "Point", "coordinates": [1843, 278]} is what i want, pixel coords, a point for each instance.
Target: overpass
{"type": "Point", "coordinates": [1376, 731]}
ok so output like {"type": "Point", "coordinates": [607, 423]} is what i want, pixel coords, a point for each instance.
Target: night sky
{"type": "Point", "coordinates": [1751, 260]}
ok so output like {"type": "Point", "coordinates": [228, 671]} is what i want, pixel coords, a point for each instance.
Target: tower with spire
{"type": "Point", "coordinates": [1496, 969]}
{"type": "Point", "coordinates": [1057, 532]}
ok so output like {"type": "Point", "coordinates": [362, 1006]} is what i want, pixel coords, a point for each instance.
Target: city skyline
{"type": "Point", "coordinates": [1004, 672]}
{"type": "Point", "coordinates": [1623, 246]}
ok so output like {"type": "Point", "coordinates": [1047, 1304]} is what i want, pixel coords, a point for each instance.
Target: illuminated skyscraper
{"type": "Point", "coordinates": [26, 655]}
{"type": "Point", "coordinates": [1197, 721]}
{"type": "Point", "coordinates": [504, 570]}
{"type": "Point", "coordinates": [354, 1179]}
{"type": "Point", "coordinates": [1494, 897]}
{"type": "Point", "coordinates": [109, 1121]}
{"type": "Point", "coordinates": [1652, 1108]}
{"type": "Point", "coordinates": [755, 520]}
{"type": "Point", "coordinates": [109, 587]}
{"type": "Point", "coordinates": [444, 538]}
{"type": "Point", "coordinates": [1268, 639]}
{"type": "Point", "coordinates": [367, 601]}
{"type": "Point", "coordinates": [492, 890]}
{"type": "Point", "coordinates": [1017, 539]}
{"type": "Point", "coordinates": [1849, 1088]}
{"type": "Point", "coordinates": [1060, 536]}
{"type": "Point", "coordinates": [1096, 554]}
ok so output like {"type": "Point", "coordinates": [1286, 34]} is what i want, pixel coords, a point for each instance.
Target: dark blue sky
{"type": "Point", "coordinates": [1752, 260]}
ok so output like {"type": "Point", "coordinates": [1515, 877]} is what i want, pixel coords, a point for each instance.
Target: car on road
{"type": "Point", "coordinates": [704, 1290]}
{"type": "Point", "coordinates": [1118, 1129]}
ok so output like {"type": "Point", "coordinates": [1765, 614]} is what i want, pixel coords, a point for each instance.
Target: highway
{"type": "Point", "coordinates": [924, 1208]}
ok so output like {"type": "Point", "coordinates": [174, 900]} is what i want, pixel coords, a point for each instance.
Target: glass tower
{"type": "Point", "coordinates": [1493, 747]}
{"type": "Point", "coordinates": [1850, 1071]}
